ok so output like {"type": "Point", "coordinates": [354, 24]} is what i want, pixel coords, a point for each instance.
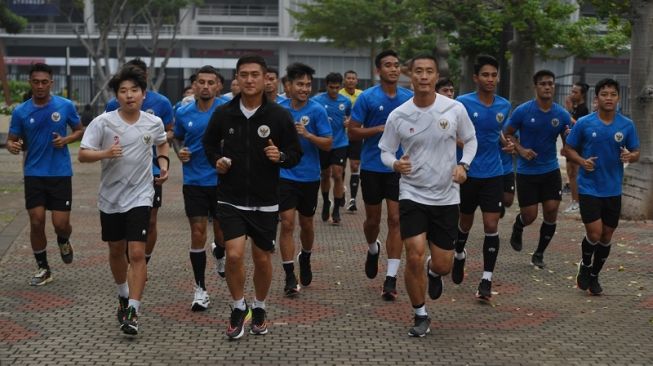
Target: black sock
{"type": "Point", "coordinates": [42, 259]}
{"type": "Point", "coordinates": [147, 258]}
{"type": "Point", "coordinates": [304, 253]}
{"type": "Point", "coordinates": [218, 252]}
{"type": "Point", "coordinates": [519, 224]}
{"type": "Point", "coordinates": [587, 250]}
{"type": "Point", "coordinates": [461, 241]}
{"type": "Point", "coordinates": [503, 211]}
{"type": "Point", "coordinates": [546, 234]}
{"type": "Point", "coordinates": [601, 253]}
{"type": "Point", "coordinates": [198, 260]}
{"type": "Point", "coordinates": [336, 205]}
{"type": "Point", "coordinates": [353, 184]}
{"type": "Point", "coordinates": [325, 197]}
{"type": "Point", "coordinates": [289, 268]}
{"type": "Point", "coordinates": [61, 240]}
{"type": "Point", "coordinates": [490, 252]}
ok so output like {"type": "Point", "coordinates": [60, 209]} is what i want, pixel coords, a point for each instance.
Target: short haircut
{"type": "Point", "coordinates": [284, 79]}
{"type": "Point", "coordinates": [483, 60]}
{"type": "Point", "coordinates": [333, 77]}
{"type": "Point", "coordinates": [606, 83]}
{"type": "Point", "coordinates": [207, 69]}
{"type": "Point", "coordinates": [128, 72]}
{"type": "Point", "coordinates": [272, 70]}
{"type": "Point", "coordinates": [350, 72]}
{"type": "Point", "coordinates": [192, 78]}
{"type": "Point", "coordinates": [187, 89]}
{"type": "Point", "coordinates": [423, 57]}
{"type": "Point", "coordinates": [252, 59]}
{"type": "Point", "coordinates": [298, 70]}
{"type": "Point", "coordinates": [137, 62]}
{"type": "Point", "coordinates": [542, 73]}
{"type": "Point", "coordinates": [583, 87]}
{"type": "Point", "coordinates": [442, 82]}
{"type": "Point", "coordinates": [40, 67]}
{"type": "Point", "coordinates": [380, 56]}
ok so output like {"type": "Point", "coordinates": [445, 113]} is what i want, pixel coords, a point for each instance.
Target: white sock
{"type": "Point", "coordinates": [433, 274]}
{"type": "Point", "coordinates": [123, 290]}
{"type": "Point", "coordinates": [373, 248]}
{"type": "Point", "coordinates": [136, 304]}
{"type": "Point", "coordinates": [258, 304]}
{"type": "Point", "coordinates": [459, 256]}
{"type": "Point", "coordinates": [421, 311]}
{"type": "Point", "coordinates": [240, 304]}
{"type": "Point", "coordinates": [487, 275]}
{"type": "Point", "coordinates": [393, 267]}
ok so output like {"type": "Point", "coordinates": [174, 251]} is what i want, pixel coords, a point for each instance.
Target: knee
{"type": "Point", "coordinates": [287, 225]}
{"type": "Point", "coordinates": [442, 266]}
{"type": "Point", "coordinates": [136, 255]}
{"type": "Point", "coordinates": [234, 257]}
{"type": "Point", "coordinates": [393, 220]}
{"type": "Point", "coordinates": [415, 261]}
{"type": "Point", "coordinates": [527, 219]}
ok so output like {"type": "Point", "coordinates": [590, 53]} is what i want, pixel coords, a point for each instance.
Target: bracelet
{"type": "Point", "coordinates": [166, 159]}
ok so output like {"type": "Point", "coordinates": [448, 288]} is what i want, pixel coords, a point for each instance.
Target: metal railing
{"type": "Point", "coordinates": [254, 10]}
{"type": "Point", "coordinates": [237, 30]}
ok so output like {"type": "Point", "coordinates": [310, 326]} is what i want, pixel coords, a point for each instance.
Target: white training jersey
{"type": "Point", "coordinates": [428, 136]}
{"type": "Point", "coordinates": [126, 182]}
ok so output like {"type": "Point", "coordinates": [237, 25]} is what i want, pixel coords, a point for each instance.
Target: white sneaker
{"type": "Point", "coordinates": [572, 208]}
{"type": "Point", "coordinates": [201, 300]}
{"type": "Point", "coordinates": [219, 263]}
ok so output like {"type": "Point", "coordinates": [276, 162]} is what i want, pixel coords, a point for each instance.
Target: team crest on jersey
{"type": "Point", "coordinates": [341, 107]}
{"type": "Point", "coordinates": [444, 124]}
{"type": "Point", "coordinates": [263, 131]}
{"type": "Point", "coordinates": [305, 120]}
{"type": "Point", "coordinates": [619, 136]}
{"type": "Point", "coordinates": [150, 111]}
{"type": "Point", "coordinates": [190, 123]}
{"type": "Point", "coordinates": [500, 117]}
{"type": "Point", "coordinates": [381, 108]}
{"type": "Point", "coordinates": [231, 131]}
{"type": "Point", "coordinates": [56, 117]}
{"type": "Point", "coordinates": [555, 122]}
{"type": "Point", "coordinates": [147, 139]}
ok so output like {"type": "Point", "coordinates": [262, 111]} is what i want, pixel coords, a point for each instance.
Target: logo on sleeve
{"type": "Point", "coordinates": [619, 136]}
{"type": "Point", "coordinates": [593, 134]}
{"type": "Point", "coordinates": [263, 131]}
{"type": "Point", "coordinates": [147, 139]}
{"type": "Point", "coordinates": [305, 120]}
{"type": "Point", "coordinates": [341, 107]}
{"type": "Point", "coordinates": [532, 120]}
{"type": "Point", "coordinates": [444, 124]}
{"type": "Point", "coordinates": [475, 114]}
{"type": "Point", "coordinates": [190, 123]}
{"type": "Point", "coordinates": [31, 120]}
{"type": "Point", "coordinates": [381, 108]}
{"type": "Point", "coordinates": [56, 117]}
{"type": "Point", "coordinates": [555, 122]}
{"type": "Point", "coordinates": [500, 117]}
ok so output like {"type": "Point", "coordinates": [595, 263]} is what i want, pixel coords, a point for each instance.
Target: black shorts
{"type": "Point", "coordinates": [378, 186]}
{"type": "Point", "coordinates": [334, 157]}
{"type": "Point", "coordinates": [592, 208]}
{"type": "Point", "coordinates": [158, 193]}
{"type": "Point", "coordinates": [298, 195]}
{"type": "Point", "coordinates": [53, 193]}
{"type": "Point", "coordinates": [484, 192]}
{"type": "Point", "coordinates": [130, 226]}
{"type": "Point", "coordinates": [258, 225]}
{"type": "Point", "coordinates": [440, 223]}
{"type": "Point", "coordinates": [200, 201]}
{"type": "Point", "coordinates": [509, 183]}
{"type": "Point", "coordinates": [354, 150]}
{"type": "Point", "coordinates": [533, 189]}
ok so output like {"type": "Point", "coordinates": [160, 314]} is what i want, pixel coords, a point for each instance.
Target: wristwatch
{"type": "Point", "coordinates": [282, 156]}
{"type": "Point", "coordinates": [465, 166]}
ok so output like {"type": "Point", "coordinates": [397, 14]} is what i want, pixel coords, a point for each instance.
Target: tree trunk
{"type": "Point", "coordinates": [522, 67]}
{"type": "Point", "coordinates": [637, 201]}
{"type": "Point", "coordinates": [467, 71]}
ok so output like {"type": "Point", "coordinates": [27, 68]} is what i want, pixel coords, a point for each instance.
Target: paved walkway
{"type": "Point", "coordinates": [538, 317]}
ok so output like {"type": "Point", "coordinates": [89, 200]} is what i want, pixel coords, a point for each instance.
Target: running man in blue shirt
{"type": "Point", "coordinates": [272, 86]}
{"type": "Point", "coordinates": [299, 185]}
{"type": "Point", "coordinates": [539, 122]}
{"type": "Point", "coordinates": [379, 182]}
{"type": "Point", "coordinates": [600, 143]}
{"type": "Point", "coordinates": [159, 106]}
{"type": "Point", "coordinates": [39, 127]}
{"type": "Point", "coordinates": [332, 162]}
{"type": "Point", "coordinates": [484, 185]}
{"type": "Point", "coordinates": [200, 179]}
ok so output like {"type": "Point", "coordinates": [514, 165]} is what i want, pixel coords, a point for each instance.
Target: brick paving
{"type": "Point", "coordinates": [537, 317]}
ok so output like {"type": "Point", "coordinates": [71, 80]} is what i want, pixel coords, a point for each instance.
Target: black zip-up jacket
{"type": "Point", "coordinates": [252, 180]}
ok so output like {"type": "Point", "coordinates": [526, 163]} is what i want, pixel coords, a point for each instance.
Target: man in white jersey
{"type": "Point", "coordinates": [426, 128]}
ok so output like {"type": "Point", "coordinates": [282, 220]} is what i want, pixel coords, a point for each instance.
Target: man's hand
{"type": "Point", "coordinates": [163, 176]}
{"type": "Point", "coordinates": [115, 151]}
{"type": "Point", "coordinates": [588, 164]}
{"type": "Point", "coordinates": [184, 155]}
{"type": "Point", "coordinates": [527, 154]}
{"type": "Point", "coordinates": [15, 147]}
{"type": "Point", "coordinates": [222, 165]}
{"type": "Point", "coordinates": [403, 165]}
{"type": "Point", "coordinates": [459, 174]}
{"type": "Point", "coordinates": [272, 152]}
{"type": "Point", "coordinates": [626, 156]}
{"type": "Point", "coordinates": [58, 141]}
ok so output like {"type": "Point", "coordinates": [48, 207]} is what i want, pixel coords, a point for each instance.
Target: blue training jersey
{"type": "Point", "coordinates": [316, 121]}
{"type": "Point", "coordinates": [539, 131]}
{"type": "Point", "coordinates": [36, 126]}
{"type": "Point", "coordinates": [337, 109]}
{"type": "Point", "coordinates": [372, 109]}
{"type": "Point", "coordinates": [190, 124]}
{"type": "Point", "coordinates": [488, 122]}
{"type": "Point", "coordinates": [591, 137]}
{"type": "Point", "coordinates": [156, 104]}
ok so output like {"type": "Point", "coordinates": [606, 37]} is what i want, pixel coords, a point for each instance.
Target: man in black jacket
{"type": "Point", "coordinates": [248, 140]}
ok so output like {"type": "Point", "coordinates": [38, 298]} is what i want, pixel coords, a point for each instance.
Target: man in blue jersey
{"type": "Point", "coordinates": [379, 182]}
{"type": "Point", "coordinates": [200, 179]}
{"type": "Point", "coordinates": [575, 105]}
{"type": "Point", "coordinates": [600, 143]}
{"type": "Point", "coordinates": [272, 86]}
{"type": "Point", "coordinates": [159, 106]}
{"type": "Point", "coordinates": [351, 91]}
{"type": "Point", "coordinates": [332, 162]}
{"type": "Point", "coordinates": [445, 87]}
{"type": "Point", "coordinates": [484, 185]}
{"type": "Point", "coordinates": [39, 127]}
{"type": "Point", "coordinates": [299, 185]}
{"type": "Point", "coordinates": [539, 122]}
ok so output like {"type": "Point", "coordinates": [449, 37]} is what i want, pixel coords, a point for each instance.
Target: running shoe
{"type": "Point", "coordinates": [516, 238]}
{"type": "Point", "coordinates": [484, 291]}
{"type": "Point", "coordinates": [219, 262]}
{"type": "Point", "coordinates": [594, 286]}
{"type": "Point", "coordinates": [41, 277]}
{"type": "Point", "coordinates": [351, 206]}
{"type": "Point", "coordinates": [200, 300]}
{"type": "Point", "coordinates": [123, 304]}
{"type": "Point", "coordinates": [572, 208]}
{"type": "Point", "coordinates": [291, 288]}
{"type": "Point", "coordinates": [538, 260]}
{"type": "Point", "coordinates": [458, 270]}
{"type": "Point", "coordinates": [389, 288]}
{"type": "Point", "coordinates": [436, 286]}
{"type": "Point", "coordinates": [335, 218]}
{"type": "Point", "coordinates": [305, 273]}
{"type": "Point", "coordinates": [66, 251]}
{"type": "Point", "coordinates": [130, 322]}
{"type": "Point", "coordinates": [421, 327]}
{"type": "Point", "coordinates": [236, 327]}
{"type": "Point", "coordinates": [372, 262]}
{"type": "Point", "coordinates": [259, 325]}
{"type": "Point", "coordinates": [583, 276]}
{"type": "Point", "coordinates": [325, 210]}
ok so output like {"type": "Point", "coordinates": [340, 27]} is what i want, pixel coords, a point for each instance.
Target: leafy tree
{"type": "Point", "coordinates": [12, 23]}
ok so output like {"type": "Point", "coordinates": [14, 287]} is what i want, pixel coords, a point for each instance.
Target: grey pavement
{"type": "Point", "coordinates": [537, 317]}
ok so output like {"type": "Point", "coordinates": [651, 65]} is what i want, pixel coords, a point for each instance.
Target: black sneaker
{"type": "Point", "coordinates": [291, 288]}
{"type": "Point", "coordinates": [351, 206]}
{"type": "Point", "coordinates": [335, 218]}
{"type": "Point", "coordinates": [538, 260]}
{"type": "Point", "coordinates": [435, 286]}
{"type": "Point", "coordinates": [259, 325]}
{"type": "Point", "coordinates": [41, 277]}
{"type": "Point", "coordinates": [325, 210]}
{"type": "Point", "coordinates": [130, 321]}
{"type": "Point", "coordinates": [305, 273]}
{"type": "Point", "coordinates": [389, 288]}
{"type": "Point", "coordinates": [66, 251]}
{"type": "Point", "coordinates": [123, 304]}
{"type": "Point", "coordinates": [583, 276]}
{"type": "Point", "coordinates": [515, 238]}
{"type": "Point", "coordinates": [422, 326]}
{"type": "Point", "coordinates": [372, 262]}
{"type": "Point", "coordinates": [458, 270]}
{"type": "Point", "coordinates": [236, 327]}
{"type": "Point", "coordinates": [594, 286]}
{"type": "Point", "coordinates": [484, 291]}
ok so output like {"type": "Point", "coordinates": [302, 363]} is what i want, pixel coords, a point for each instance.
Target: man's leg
{"type": "Point", "coordinates": [393, 249]}
{"type": "Point", "coordinates": [307, 238]}
{"type": "Point", "coordinates": [337, 172]}
{"type": "Point", "coordinates": [118, 264]}
{"type": "Point", "coordinates": [547, 230]}
{"type": "Point", "coordinates": [415, 280]}
{"type": "Point", "coordinates": [152, 234]}
{"type": "Point", "coordinates": [526, 216]}
{"type": "Point", "coordinates": [197, 254]}
{"type": "Point", "coordinates": [63, 229]}
{"type": "Point", "coordinates": [465, 223]}
{"type": "Point", "coordinates": [354, 181]}
{"type": "Point", "coordinates": [371, 229]}
{"type": "Point", "coordinates": [490, 253]}
{"type": "Point", "coordinates": [235, 275]}
{"type": "Point", "coordinates": [287, 247]}
{"type": "Point", "coordinates": [37, 236]}
{"type": "Point", "coordinates": [325, 187]}
{"type": "Point", "coordinates": [572, 174]}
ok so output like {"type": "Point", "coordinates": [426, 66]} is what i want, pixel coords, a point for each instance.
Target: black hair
{"type": "Point", "coordinates": [442, 82]}
{"type": "Point", "coordinates": [40, 67]}
{"type": "Point", "coordinates": [186, 89]}
{"type": "Point", "coordinates": [542, 73]}
{"type": "Point", "coordinates": [483, 60]}
{"type": "Point", "coordinates": [207, 69]}
{"type": "Point", "coordinates": [604, 83]}
{"type": "Point", "coordinates": [380, 56]}
{"type": "Point", "coordinates": [424, 56]}
{"type": "Point", "coordinates": [298, 70]}
{"type": "Point", "coordinates": [583, 87]}
{"type": "Point", "coordinates": [333, 77]}
{"type": "Point", "coordinates": [192, 78]}
{"type": "Point", "coordinates": [128, 72]}
{"type": "Point", "coordinates": [252, 59]}
{"type": "Point", "coordinates": [137, 62]}
{"type": "Point", "coordinates": [350, 72]}
{"type": "Point", "coordinates": [284, 79]}
{"type": "Point", "coordinates": [272, 70]}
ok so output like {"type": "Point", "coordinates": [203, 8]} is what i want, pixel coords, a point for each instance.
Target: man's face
{"type": "Point", "coordinates": [351, 81]}
{"type": "Point", "coordinates": [130, 96]}
{"type": "Point", "coordinates": [423, 76]}
{"type": "Point", "coordinates": [487, 79]}
{"type": "Point", "coordinates": [41, 83]}
{"type": "Point", "coordinates": [332, 89]}
{"type": "Point", "coordinates": [251, 79]}
{"type": "Point", "coordinates": [271, 83]}
{"type": "Point", "coordinates": [390, 70]}
{"type": "Point", "coordinates": [300, 88]}
{"type": "Point", "coordinates": [207, 85]}
{"type": "Point", "coordinates": [608, 99]}
{"type": "Point", "coordinates": [235, 88]}
{"type": "Point", "coordinates": [188, 92]}
{"type": "Point", "coordinates": [447, 91]}
{"type": "Point", "coordinates": [545, 87]}
{"type": "Point", "coordinates": [576, 95]}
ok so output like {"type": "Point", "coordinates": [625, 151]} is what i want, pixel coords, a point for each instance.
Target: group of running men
{"type": "Point", "coordinates": [257, 159]}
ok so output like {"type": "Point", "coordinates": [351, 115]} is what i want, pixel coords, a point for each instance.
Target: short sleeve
{"type": "Point", "coordinates": [92, 138]}
{"type": "Point", "coordinates": [359, 113]}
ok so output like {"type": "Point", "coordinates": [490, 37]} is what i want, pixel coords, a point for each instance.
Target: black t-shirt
{"type": "Point", "coordinates": [580, 111]}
